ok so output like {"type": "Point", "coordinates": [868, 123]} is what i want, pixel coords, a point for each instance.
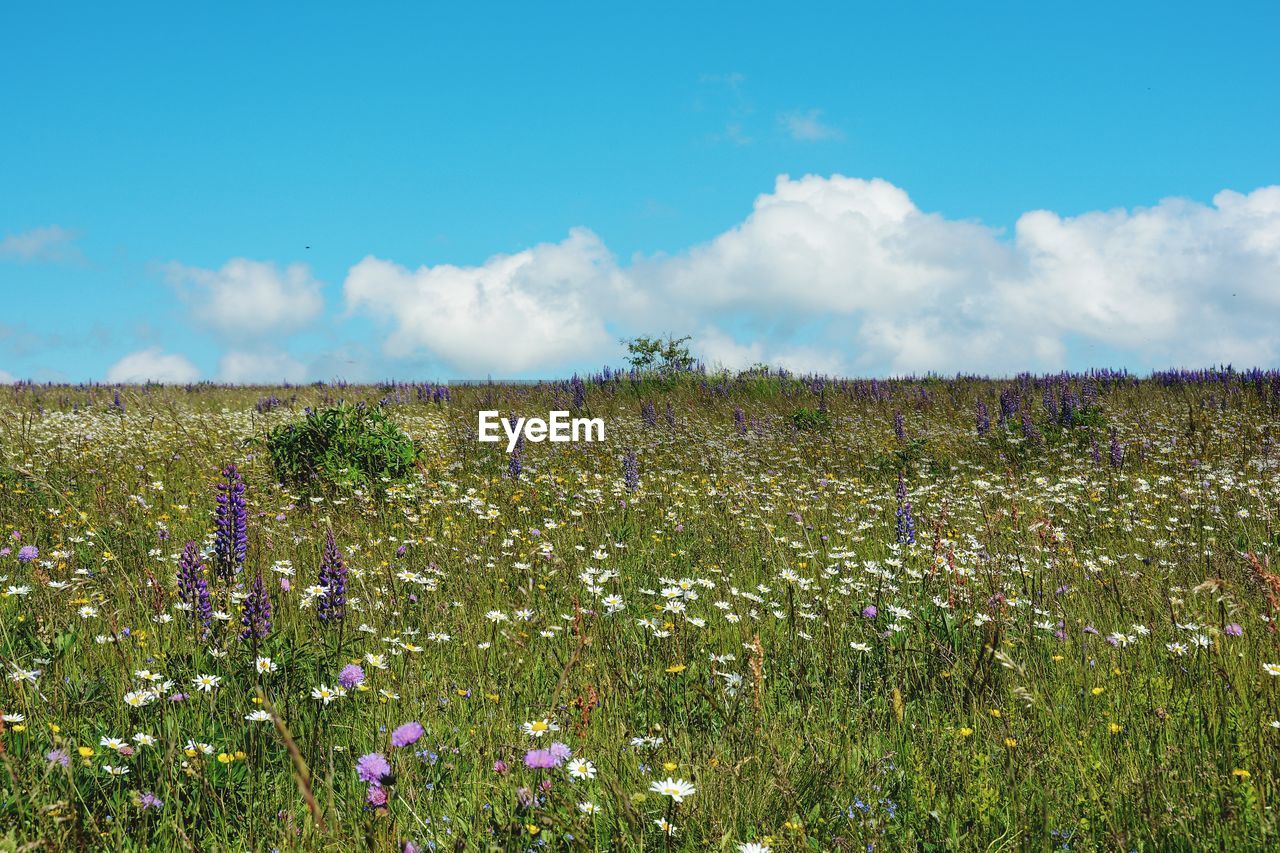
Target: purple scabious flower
{"type": "Point", "coordinates": [1233, 630]}
{"type": "Point", "coordinates": [351, 676]}
{"type": "Point", "coordinates": [193, 590]}
{"type": "Point", "coordinates": [540, 759]}
{"type": "Point", "coordinates": [377, 796]}
{"type": "Point", "coordinates": [332, 606]}
{"type": "Point", "coordinates": [373, 767]}
{"type": "Point", "coordinates": [870, 612]}
{"type": "Point", "coordinates": [630, 471]}
{"type": "Point", "coordinates": [406, 734]}
{"type": "Point", "coordinates": [560, 751]}
{"type": "Point", "coordinates": [58, 756]}
{"type": "Point", "coordinates": [500, 767]}
{"type": "Point", "coordinates": [256, 616]}
{"type": "Point", "coordinates": [231, 540]}
{"type": "Point", "coordinates": [27, 553]}
{"type": "Point", "coordinates": [149, 800]}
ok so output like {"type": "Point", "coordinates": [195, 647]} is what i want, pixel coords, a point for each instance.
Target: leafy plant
{"type": "Point", "coordinates": [666, 356]}
{"type": "Point", "coordinates": [341, 445]}
{"type": "Point", "coordinates": [810, 419]}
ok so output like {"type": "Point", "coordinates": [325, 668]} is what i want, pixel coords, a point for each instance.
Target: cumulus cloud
{"type": "Point", "coordinates": [6, 378]}
{"type": "Point", "coordinates": [539, 308]}
{"type": "Point", "coordinates": [845, 274]}
{"type": "Point", "coordinates": [807, 126]}
{"type": "Point", "coordinates": [267, 366]}
{"type": "Point", "coordinates": [248, 299]}
{"type": "Point", "coordinates": [153, 365]}
{"type": "Point", "coordinates": [48, 244]}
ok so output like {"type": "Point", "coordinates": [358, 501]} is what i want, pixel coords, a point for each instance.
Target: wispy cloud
{"type": "Point", "coordinates": [248, 299]}
{"type": "Point", "coordinates": [46, 244]}
{"type": "Point", "coordinates": [807, 126]}
{"type": "Point", "coordinates": [725, 96]}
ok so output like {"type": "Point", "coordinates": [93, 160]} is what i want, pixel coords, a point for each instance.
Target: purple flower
{"type": "Point", "coordinates": [351, 676]}
{"type": "Point", "coordinates": [149, 800]}
{"type": "Point", "coordinates": [560, 751]}
{"type": "Point", "coordinates": [231, 539]}
{"type": "Point", "coordinates": [333, 577]}
{"type": "Point", "coordinates": [630, 471]}
{"type": "Point", "coordinates": [377, 795]}
{"type": "Point", "coordinates": [540, 759]}
{"type": "Point", "coordinates": [58, 756]}
{"type": "Point", "coordinates": [373, 768]}
{"type": "Point", "coordinates": [1233, 630]}
{"type": "Point", "coordinates": [906, 525]}
{"type": "Point", "coordinates": [256, 616]}
{"type": "Point", "coordinates": [406, 734]}
{"type": "Point", "coordinates": [27, 553]}
{"type": "Point", "coordinates": [515, 465]}
{"type": "Point", "coordinates": [500, 767]}
{"type": "Point", "coordinates": [193, 589]}
{"type": "Point", "coordinates": [870, 612]}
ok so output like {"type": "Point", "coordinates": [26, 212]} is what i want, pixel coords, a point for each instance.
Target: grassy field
{"type": "Point", "coordinates": [825, 616]}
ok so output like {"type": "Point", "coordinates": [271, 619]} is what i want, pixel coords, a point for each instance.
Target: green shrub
{"type": "Point", "coordinates": [814, 419]}
{"type": "Point", "coordinates": [342, 445]}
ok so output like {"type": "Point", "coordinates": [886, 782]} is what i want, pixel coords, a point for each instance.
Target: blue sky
{"type": "Point", "coordinates": [162, 168]}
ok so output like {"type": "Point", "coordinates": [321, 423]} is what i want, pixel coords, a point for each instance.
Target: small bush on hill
{"type": "Point", "coordinates": [341, 445]}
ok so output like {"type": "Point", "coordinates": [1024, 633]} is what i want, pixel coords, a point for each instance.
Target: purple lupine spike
{"type": "Point", "coordinates": [1009, 405]}
{"type": "Point", "coordinates": [906, 525]}
{"type": "Point", "coordinates": [332, 604]}
{"type": "Point", "coordinates": [1029, 431]}
{"type": "Point", "coordinates": [1117, 452]}
{"type": "Point", "coordinates": [579, 392]}
{"type": "Point", "coordinates": [670, 415]}
{"type": "Point", "coordinates": [631, 471]}
{"type": "Point", "coordinates": [256, 616]}
{"type": "Point", "coordinates": [515, 465]}
{"type": "Point", "coordinates": [899, 426]}
{"type": "Point", "coordinates": [231, 540]}
{"type": "Point", "coordinates": [193, 590]}
{"type": "Point", "coordinates": [740, 420]}
{"type": "Point", "coordinates": [649, 414]}
{"type": "Point", "coordinates": [1069, 408]}
{"type": "Point", "coordinates": [982, 419]}
{"type": "Point", "coordinates": [1050, 404]}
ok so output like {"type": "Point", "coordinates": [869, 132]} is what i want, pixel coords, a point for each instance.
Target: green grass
{"type": "Point", "coordinates": [1025, 696]}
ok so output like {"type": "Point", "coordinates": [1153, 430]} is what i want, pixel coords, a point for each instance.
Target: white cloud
{"type": "Point", "coordinates": [807, 126]}
{"type": "Point", "coordinates": [539, 308]}
{"type": "Point", "coordinates": [49, 243]}
{"type": "Point", "coordinates": [6, 378]}
{"type": "Point", "coordinates": [847, 274]}
{"type": "Point", "coordinates": [267, 366]}
{"type": "Point", "coordinates": [153, 365]}
{"type": "Point", "coordinates": [248, 299]}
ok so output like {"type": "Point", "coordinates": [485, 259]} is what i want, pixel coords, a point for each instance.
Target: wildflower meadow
{"type": "Point", "coordinates": [765, 612]}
